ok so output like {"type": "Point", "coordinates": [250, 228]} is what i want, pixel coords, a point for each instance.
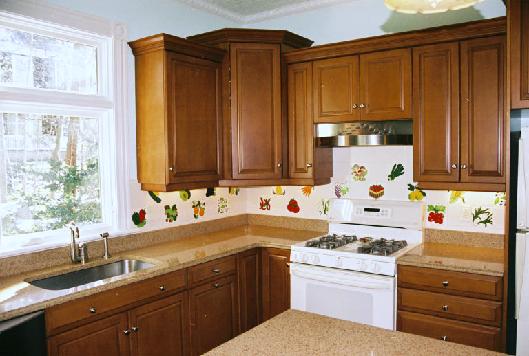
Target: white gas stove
{"type": "Point", "coordinates": [350, 272]}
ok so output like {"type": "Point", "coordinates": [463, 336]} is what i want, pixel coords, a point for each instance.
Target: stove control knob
{"type": "Point", "coordinates": [316, 259]}
{"type": "Point", "coordinates": [363, 266]}
{"type": "Point", "coordinates": [305, 259]}
{"type": "Point", "coordinates": [376, 267]}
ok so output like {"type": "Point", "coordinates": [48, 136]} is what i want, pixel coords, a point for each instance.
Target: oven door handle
{"type": "Point", "coordinates": [344, 278]}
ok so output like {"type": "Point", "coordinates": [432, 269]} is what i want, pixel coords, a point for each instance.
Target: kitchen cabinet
{"type": "Point", "coordinates": [436, 113]}
{"type": "Point", "coordinates": [307, 164]}
{"type": "Point", "coordinates": [213, 314]}
{"type": "Point", "coordinates": [178, 113]}
{"type": "Point", "coordinates": [102, 337]}
{"type": "Point", "coordinates": [518, 32]}
{"type": "Point", "coordinates": [249, 291]}
{"type": "Point", "coordinates": [255, 148]}
{"type": "Point", "coordinates": [275, 276]}
{"type": "Point", "coordinates": [452, 306]}
{"type": "Point", "coordinates": [459, 136]}
{"type": "Point", "coordinates": [374, 86]}
{"type": "Point", "coordinates": [155, 328]}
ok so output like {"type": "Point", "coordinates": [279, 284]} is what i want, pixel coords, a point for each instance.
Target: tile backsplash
{"type": "Point", "coordinates": [384, 172]}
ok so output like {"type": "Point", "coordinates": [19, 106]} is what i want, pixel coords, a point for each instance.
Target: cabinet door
{"type": "Point", "coordinates": [214, 314]}
{"type": "Point", "coordinates": [275, 281]}
{"type": "Point", "coordinates": [436, 113]}
{"type": "Point", "coordinates": [249, 298]}
{"type": "Point", "coordinates": [385, 85]}
{"type": "Point", "coordinates": [193, 119]}
{"type": "Point", "coordinates": [483, 110]}
{"type": "Point", "coordinates": [336, 90]}
{"type": "Point", "coordinates": [256, 111]}
{"type": "Point", "coordinates": [519, 52]}
{"type": "Point", "coordinates": [160, 328]}
{"type": "Point", "coordinates": [300, 125]}
{"type": "Point", "coordinates": [102, 337]}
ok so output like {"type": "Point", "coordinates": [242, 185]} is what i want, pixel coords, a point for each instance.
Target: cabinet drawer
{"type": "Point", "coordinates": [458, 283]}
{"type": "Point", "coordinates": [220, 266]}
{"type": "Point", "coordinates": [450, 306]}
{"type": "Point", "coordinates": [449, 330]}
{"type": "Point", "coordinates": [106, 301]}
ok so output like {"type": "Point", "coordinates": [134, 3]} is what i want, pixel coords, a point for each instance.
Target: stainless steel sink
{"type": "Point", "coordinates": [92, 274]}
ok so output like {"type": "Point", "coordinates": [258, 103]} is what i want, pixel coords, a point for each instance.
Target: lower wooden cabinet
{"type": "Point", "coordinates": [275, 276]}
{"type": "Point", "coordinates": [214, 314]}
{"type": "Point", "coordinates": [453, 306]}
{"type": "Point", "coordinates": [249, 290]}
{"type": "Point", "coordinates": [157, 328]}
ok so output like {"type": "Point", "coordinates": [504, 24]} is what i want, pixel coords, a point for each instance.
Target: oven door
{"type": "Point", "coordinates": [360, 297]}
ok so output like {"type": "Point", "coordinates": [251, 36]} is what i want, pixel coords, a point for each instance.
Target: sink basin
{"type": "Point", "coordinates": [92, 274]}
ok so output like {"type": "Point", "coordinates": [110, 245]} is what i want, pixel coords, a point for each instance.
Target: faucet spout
{"type": "Point", "coordinates": [74, 246]}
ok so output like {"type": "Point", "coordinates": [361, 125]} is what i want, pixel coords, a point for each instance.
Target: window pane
{"type": "Point", "coordinates": [49, 172]}
{"type": "Point", "coordinates": [30, 60]}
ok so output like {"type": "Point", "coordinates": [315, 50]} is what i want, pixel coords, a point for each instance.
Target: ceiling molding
{"type": "Point", "coordinates": [262, 15]}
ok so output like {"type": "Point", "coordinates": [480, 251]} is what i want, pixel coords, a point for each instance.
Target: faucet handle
{"type": "Point", "coordinates": [104, 236]}
{"type": "Point", "coordinates": [83, 252]}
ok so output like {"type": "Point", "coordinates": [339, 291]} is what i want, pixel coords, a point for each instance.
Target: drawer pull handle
{"type": "Point", "coordinates": [215, 270]}
{"type": "Point", "coordinates": [445, 307]}
{"type": "Point", "coordinates": [444, 338]}
{"type": "Point", "coordinates": [445, 283]}
{"type": "Point", "coordinates": [126, 332]}
{"type": "Point", "coordinates": [92, 310]}
{"type": "Point", "coordinates": [162, 288]}
{"type": "Point", "coordinates": [134, 329]}
{"type": "Point", "coordinates": [216, 285]}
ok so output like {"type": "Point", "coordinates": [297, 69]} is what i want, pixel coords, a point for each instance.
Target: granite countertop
{"type": "Point", "coordinates": [300, 333]}
{"type": "Point", "coordinates": [472, 259]}
{"type": "Point", "coordinates": [18, 297]}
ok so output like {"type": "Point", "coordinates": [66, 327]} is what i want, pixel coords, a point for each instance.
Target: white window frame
{"type": "Point", "coordinates": [109, 105]}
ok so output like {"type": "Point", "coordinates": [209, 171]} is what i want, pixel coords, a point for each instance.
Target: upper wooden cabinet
{"type": "Point", "coordinates": [373, 86]}
{"type": "Point", "coordinates": [385, 85]}
{"type": "Point", "coordinates": [307, 164]}
{"type": "Point", "coordinates": [254, 117]}
{"type": "Point", "coordinates": [460, 151]}
{"type": "Point", "coordinates": [518, 31]}
{"type": "Point", "coordinates": [436, 113]}
{"type": "Point", "coordinates": [178, 117]}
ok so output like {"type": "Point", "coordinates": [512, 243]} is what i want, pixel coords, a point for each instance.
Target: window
{"type": "Point", "coordinates": [58, 119]}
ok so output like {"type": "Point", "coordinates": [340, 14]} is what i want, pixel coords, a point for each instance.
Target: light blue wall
{"type": "Point", "coordinates": [364, 18]}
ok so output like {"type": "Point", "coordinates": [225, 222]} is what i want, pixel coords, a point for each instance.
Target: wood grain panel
{"type": "Point", "coordinates": [275, 281]}
{"type": "Point", "coordinates": [249, 290]}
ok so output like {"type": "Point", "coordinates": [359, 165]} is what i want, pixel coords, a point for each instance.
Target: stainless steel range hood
{"type": "Point", "coordinates": [373, 133]}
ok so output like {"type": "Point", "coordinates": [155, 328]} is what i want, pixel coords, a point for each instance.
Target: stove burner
{"type": "Point", "coordinates": [330, 242]}
{"type": "Point", "coordinates": [382, 247]}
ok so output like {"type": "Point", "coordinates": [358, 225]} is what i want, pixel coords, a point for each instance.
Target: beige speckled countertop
{"type": "Point", "coordinates": [299, 333]}
{"type": "Point", "coordinates": [472, 259]}
{"type": "Point", "coordinates": [18, 297]}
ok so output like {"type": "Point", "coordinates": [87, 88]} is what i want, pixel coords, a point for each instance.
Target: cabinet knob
{"type": "Point", "coordinates": [355, 106]}
{"type": "Point", "coordinates": [170, 169]}
{"type": "Point", "coordinates": [216, 270]}
{"type": "Point", "coordinates": [445, 307]}
{"type": "Point", "coordinates": [454, 166]}
{"type": "Point", "coordinates": [162, 288]}
{"type": "Point", "coordinates": [279, 164]}
{"type": "Point", "coordinates": [463, 166]}
{"type": "Point", "coordinates": [92, 310]}
{"type": "Point", "coordinates": [445, 283]}
{"type": "Point", "coordinates": [361, 106]}
{"type": "Point", "coordinates": [134, 329]}
{"type": "Point", "coordinates": [216, 285]}
{"type": "Point", "coordinates": [444, 338]}
{"type": "Point", "coordinates": [126, 332]}
{"type": "Point", "coordinates": [309, 165]}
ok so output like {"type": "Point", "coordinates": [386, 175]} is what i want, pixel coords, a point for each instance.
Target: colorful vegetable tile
{"type": "Point", "coordinates": [359, 173]}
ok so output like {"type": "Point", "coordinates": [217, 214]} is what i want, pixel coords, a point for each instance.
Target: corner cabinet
{"type": "Point", "coordinates": [518, 22]}
{"type": "Point", "coordinates": [373, 86]}
{"type": "Point", "coordinates": [178, 113]}
{"type": "Point", "coordinates": [459, 134]}
{"type": "Point", "coordinates": [254, 84]}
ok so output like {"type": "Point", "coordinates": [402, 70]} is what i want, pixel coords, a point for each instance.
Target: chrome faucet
{"type": "Point", "coordinates": [74, 246]}
{"type": "Point", "coordinates": [104, 236]}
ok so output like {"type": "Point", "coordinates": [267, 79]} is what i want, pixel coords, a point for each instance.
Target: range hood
{"type": "Point", "coordinates": [372, 133]}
